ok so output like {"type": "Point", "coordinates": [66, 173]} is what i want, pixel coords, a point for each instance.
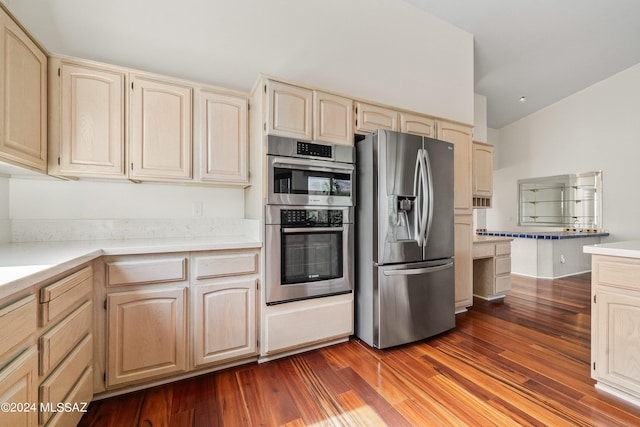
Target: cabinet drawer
{"type": "Point", "coordinates": [58, 342]}
{"type": "Point", "coordinates": [17, 323]}
{"type": "Point", "coordinates": [59, 297]}
{"type": "Point", "coordinates": [483, 250]}
{"type": "Point", "coordinates": [503, 249]}
{"type": "Point", "coordinates": [80, 395]}
{"type": "Point", "coordinates": [622, 274]}
{"type": "Point", "coordinates": [503, 265]}
{"type": "Point", "coordinates": [227, 264]}
{"type": "Point", "coordinates": [61, 382]}
{"type": "Point", "coordinates": [137, 272]}
{"type": "Point", "coordinates": [503, 284]}
{"type": "Point", "coordinates": [315, 321]}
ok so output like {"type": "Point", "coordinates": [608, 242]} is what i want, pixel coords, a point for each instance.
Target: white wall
{"type": "Point", "coordinates": [57, 199]}
{"type": "Point", "coordinates": [595, 129]}
{"type": "Point", "coordinates": [48, 209]}
{"type": "Point", "coordinates": [5, 224]}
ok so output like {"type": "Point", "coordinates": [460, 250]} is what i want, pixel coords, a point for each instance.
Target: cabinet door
{"type": "Point", "coordinates": [460, 137]}
{"type": "Point", "coordinates": [482, 170]}
{"type": "Point", "coordinates": [146, 334]}
{"type": "Point", "coordinates": [464, 262]}
{"type": "Point", "coordinates": [289, 110]}
{"type": "Point", "coordinates": [332, 118]}
{"type": "Point", "coordinates": [224, 321]}
{"type": "Point", "coordinates": [370, 118]}
{"type": "Point", "coordinates": [223, 135]}
{"type": "Point", "coordinates": [618, 348]}
{"type": "Point", "coordinates": [161, 123]}
{"type": "Point", "coordinates": [92, 132]}
{"type": "Point", "coordinates": [19, 384]}
{"type": "Point", "coordinates": [23, 91]}
{"type": "Point", "coordinates": [417, 125]}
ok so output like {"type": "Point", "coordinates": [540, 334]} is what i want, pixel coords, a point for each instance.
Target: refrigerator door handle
{"type": "Point", "coordinates": [412, 271]}
{"type": "Point", "coordinates": [418, 192]}
{"type": "Point", "coordinates": [429, 198]}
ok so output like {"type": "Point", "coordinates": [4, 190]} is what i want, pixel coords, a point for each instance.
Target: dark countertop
{"type": "Point", "coordinates": [548, 235]}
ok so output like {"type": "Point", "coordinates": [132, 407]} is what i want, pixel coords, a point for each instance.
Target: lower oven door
{"type": "Point", "coordinates": [308, 262]}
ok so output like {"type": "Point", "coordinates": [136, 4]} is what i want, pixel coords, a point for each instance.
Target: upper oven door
{"type": "Point", "coordinates": [294, 181]}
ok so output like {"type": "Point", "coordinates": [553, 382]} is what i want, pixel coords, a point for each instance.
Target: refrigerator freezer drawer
{"type": "Point", "coordinates": [415, 302]}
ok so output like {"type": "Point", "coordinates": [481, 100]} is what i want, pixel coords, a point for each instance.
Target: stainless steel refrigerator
{"type": "Point", "coordinates": [405, 238]}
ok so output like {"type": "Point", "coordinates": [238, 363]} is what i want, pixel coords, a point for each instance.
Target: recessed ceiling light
{"type": "Point", "coordinates": [523, 99]}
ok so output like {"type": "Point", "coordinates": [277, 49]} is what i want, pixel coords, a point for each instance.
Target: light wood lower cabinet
{"type": "Point", "coordinates": [17, 324]}
{"type": "Point", "coordinates": [491, 268]}
{"type": "Point", "coordinates": [146, 334]}
{"type": "Point", "coordinates": [19, 386]}
{"type": "Point", "coordinates": [615, 325]}
{"type": "Point", "coordinates": [224, 321]}
{"type": "Point", "coordinates": [170, 314]}
{"type": "Point", "coordinates": [463, 262]}
{"type": "Point", "coordinates": [304, 323]}
{"type": "Point", "coordinates": [66, 347]}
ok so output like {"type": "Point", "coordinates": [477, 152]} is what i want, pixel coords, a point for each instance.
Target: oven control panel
{"type": "Point", "coordinates": [311, 218]}
{"type": "Point", "coordinates": [316, 150]}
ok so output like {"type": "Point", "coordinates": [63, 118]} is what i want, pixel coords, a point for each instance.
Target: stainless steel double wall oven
{"type": "Point", "coordinates": [309, 220]}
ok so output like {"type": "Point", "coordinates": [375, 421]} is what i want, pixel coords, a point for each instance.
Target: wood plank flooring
{"type": "Point", "coordinates": [523, 361]}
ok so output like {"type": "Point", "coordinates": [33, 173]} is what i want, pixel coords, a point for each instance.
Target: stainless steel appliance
{"type": "Point", "coordinates": [305, 173]}
{"type": "Point", "coordinates": [309, 252]}
{"type": "Point", "coordinates": [308, 220]}
{"type": "Point", "coordinates": [405, 238]}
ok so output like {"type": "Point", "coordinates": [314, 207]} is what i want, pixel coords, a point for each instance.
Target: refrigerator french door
{"type": "Point", "coordinates": [405, 238]}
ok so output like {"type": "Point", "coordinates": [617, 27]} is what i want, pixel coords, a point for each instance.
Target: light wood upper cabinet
{"type": "Point", "coordinates": [417, 125]}
{"type": "Point", "coordinates": [224, 137]}
{"type": "Point", "coordinates": [482, 169]}
{"type": "Point", "coordinates": [461, 138]}
{"type": "Point", "coordinates": [370, 118]}
{"type": "Point", "coordinates": [332, 118]}
{"type": "Point", "coordinates": [87, 126]}
{"type": "Point", "coordinates": [289, 110]}
{"type": "Point", "coordinates": [23, 95]}
{"type": "Point", "coordinates": [161, 125]}
{"type": "Point", "coordinates": [146, 334]}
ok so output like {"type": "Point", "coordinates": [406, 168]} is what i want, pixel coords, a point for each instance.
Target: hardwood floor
{"type": "Point", "coordinates": [524, 361]}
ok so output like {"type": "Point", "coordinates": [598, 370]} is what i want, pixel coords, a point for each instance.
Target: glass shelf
{"type": "Point", "coordinates": [572, 200]}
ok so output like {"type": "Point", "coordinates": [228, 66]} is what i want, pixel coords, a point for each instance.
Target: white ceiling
{"type": "Point", "coordinates": [542, 49]}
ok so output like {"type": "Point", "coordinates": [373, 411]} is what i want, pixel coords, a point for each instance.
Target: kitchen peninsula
{"type": "Point", "coordinates": [548, 254]}
{"type": "Point", "coordinates": [615, 317]}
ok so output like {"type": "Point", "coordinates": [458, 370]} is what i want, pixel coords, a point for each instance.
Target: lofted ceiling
{"type": "Point", "coordinates": [544, 50]}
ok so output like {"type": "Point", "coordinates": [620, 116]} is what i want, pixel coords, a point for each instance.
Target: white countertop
{"type": "Point", "coordinates": [491, 239]}
{"type": "Point", "coordinates": [628, 249]}
{"type": "Point", "coordinates": [24, 264]}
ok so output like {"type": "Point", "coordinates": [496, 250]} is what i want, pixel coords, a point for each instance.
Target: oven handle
{"type": "Point", "coordinates": [412, 271]}
{"type": "Point", "coordinates": [311, 229]}
{"type": "Point", "coordinates": [313, 165]}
